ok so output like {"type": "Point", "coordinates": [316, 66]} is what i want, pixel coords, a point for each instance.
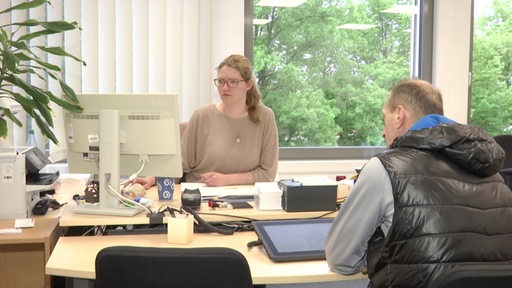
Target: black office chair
{"type": "Point", "coordinates": [475, 276]}
{"type": "Point", "coordinates": [505, 141]}
{"type": "Point", "coordinates": [156, 267]}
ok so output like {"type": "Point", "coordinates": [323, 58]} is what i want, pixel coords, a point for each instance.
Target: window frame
{"type": "Point", "coordinates": [425, 56]}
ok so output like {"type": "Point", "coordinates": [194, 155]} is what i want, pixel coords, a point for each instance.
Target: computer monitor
{"type": "Point", "coordinates": [115, 134]}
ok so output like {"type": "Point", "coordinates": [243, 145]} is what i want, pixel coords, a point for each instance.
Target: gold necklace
{"type": "Point", "coordinates": [238, 122]}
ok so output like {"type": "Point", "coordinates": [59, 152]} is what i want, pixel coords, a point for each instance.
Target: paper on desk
{"type": "Point", "coordinates": [10, 230]}
{"type": "Point", "coordinates": [24, 223]}
{"type": "Point", "coordinates": [314, 180]}
{"type": "Point", "coordinates": [223, 191]}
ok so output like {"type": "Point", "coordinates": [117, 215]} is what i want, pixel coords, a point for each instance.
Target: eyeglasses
{"type": "Point", "coordinates": [232, 83]}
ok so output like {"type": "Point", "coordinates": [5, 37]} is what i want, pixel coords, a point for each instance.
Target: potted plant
{"type": "Point", "coordinates": [19, 59]}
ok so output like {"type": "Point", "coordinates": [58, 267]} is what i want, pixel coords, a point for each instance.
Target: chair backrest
{"type": "Point", "coordinates": [155, 267]}
{"type": "Point", "coordinates": [505, 141]}
{"type": "Point", "coordinates": [475, 276]}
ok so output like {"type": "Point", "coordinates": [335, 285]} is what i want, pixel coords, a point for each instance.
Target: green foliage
{"type": "Point", "coordinates": [19, 60]}
{"type": "Point", "coordinates": [491, 106]}
{"type": "Point", "coordinates": [327, 85]}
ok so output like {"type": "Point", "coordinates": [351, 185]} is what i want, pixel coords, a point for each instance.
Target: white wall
{"type": "Point", "coordinates": [330, 169]}
{"type": "Point", "coordinates": [451, 49]}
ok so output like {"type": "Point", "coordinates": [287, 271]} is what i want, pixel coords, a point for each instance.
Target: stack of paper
{"type": "Point", "coordinates": [222, 191]}
{"type": "Point", "coordinates": [268, 196]}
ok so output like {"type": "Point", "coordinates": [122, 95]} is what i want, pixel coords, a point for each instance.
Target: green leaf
{"type": "Point", "coordinates": [68, 91]}
{"type": "Point", "coordinates": [30, 89]}
{"type": "Point", "coordinates": [21, 45]}
{"type": "Point", "coordinates": [27, 23]}
{"type": "Point", "coordinates": [7, 113]}
{"type": "Point", "coordinates": [22, 56]}
{"type": "Point", "coordinates": [3, 38]}
{"type": "Point", "coordinates": [45, 129]}
{"type": "Point", "coordinates": [45, 111]}
{"type": "Point", "coordinates": [25, 71]}
{"type": "Point", "coordinates": [74, 108]}
{"type": "Point", "coordinates": [59, 26]}
{"type": "Point", "coordinates": [10, 60]}
{"type": "Point", "coordinates": [54, 26]}
{"type": "Point", "coordinates": [17, 60]}
{"type": "Point", "coordinates": [48, 65]}
{"type": "Point", "coordinates": [3, 128]}
{"type": "Point", "coordinates": [27, 104]}
{"type": "Point", "coordinates": [26, 5]}
{"type": "Point", "coordinates": [58, 51]}
{"type": "Point", "coordinates": [36, 34]}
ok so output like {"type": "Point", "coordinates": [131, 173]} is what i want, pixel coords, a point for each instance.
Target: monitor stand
{"type": "Point", "coordinates": [108, 170]}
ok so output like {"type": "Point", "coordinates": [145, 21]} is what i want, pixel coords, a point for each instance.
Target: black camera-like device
{"type": "Point", "coordinates": [191, 198]}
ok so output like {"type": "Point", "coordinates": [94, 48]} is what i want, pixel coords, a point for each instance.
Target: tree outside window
{"type": "Point", "coordinates": [325, 75]}
{"type": "Point", "coordinates": [491, 99]}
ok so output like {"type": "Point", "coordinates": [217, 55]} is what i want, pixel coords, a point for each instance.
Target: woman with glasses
{"type": "Point", "coordinates": [235, 140]}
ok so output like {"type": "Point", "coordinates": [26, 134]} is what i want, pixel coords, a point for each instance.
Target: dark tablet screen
{"type": "Point", "coordinates": [294, 240]}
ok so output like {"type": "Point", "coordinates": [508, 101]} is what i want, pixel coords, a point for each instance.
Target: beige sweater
{"type": "Point", "coordinates": [214, 142]}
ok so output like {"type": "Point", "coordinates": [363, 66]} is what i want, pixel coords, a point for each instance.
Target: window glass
{"type": "Point", "coordinates": [325, 67]}
{"type": "Point", "coordinates": [491, 92]}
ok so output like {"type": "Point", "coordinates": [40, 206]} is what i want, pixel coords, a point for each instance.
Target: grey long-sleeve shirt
{"type": "Point", "coordinates": [368, 206]}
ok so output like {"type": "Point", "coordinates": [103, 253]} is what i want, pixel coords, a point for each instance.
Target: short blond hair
{"type": "Point", "coordinates": [419, 97]}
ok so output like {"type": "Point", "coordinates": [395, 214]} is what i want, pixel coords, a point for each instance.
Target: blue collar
{"type": "Point", "coordinates": [430, 121]}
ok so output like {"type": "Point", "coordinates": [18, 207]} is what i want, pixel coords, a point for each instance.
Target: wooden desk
{"type": "Point", "coordinates": [68, 218]}
{"type": "Point", "coordinates": [23, 256]}
{"type": "Point", "coordinates": [75, 257]}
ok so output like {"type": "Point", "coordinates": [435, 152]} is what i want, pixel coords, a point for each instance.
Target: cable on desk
{"type": "Point", "coordinates": [254, 243]}
{"type": "Point", "coordinates": [249, 227]}
{"type": "Point", "coordinates": [240, 227]}
{"type": "Point", "coordinates": [167, 207]}
{"type": "Point", "coordinates": [227, 215]}
{"type": "Point", "coordinates": [323, 215]}
{"type": "Point", "coordinates": [125, 200]}
{"type": "Point", "coordinates": [204, 226]}
{"type": "Point", "coordinates": [143, 159]}
{"type": "Point", "coordinates": [98, 230]}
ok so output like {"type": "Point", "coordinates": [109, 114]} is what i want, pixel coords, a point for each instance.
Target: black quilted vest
{"type": "Point", "coordinates": [444, 217]}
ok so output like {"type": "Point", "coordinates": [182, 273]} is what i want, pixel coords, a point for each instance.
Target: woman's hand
{"type": "Point", "coordinates": [147, 182]}
{"type": "Point", "coordinates": [214, 179]}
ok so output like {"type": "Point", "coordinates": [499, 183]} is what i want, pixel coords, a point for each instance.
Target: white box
{"type": "Point", "coordinates": [268, 196]}
{"type": "Point", "coordinates": [180, 229]}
